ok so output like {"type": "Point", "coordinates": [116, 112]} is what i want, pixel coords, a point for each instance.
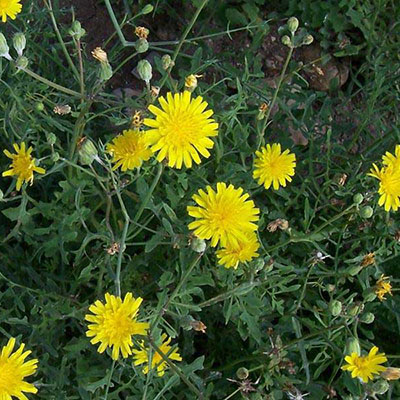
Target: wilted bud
{"type": "Point", "coordinates": [141, 32]}
{"type": "Point", "coordinates": [352, 346]}
{"type": "Point", "coordinates": [145, 70]}
{"type": "Point", "coordinates": [141, 45]}
{"type": "Point", "coordinates": [191, 82]}
{"type": "Point", "coordinates": [22, 62]}
{"type": "Point", "coordinates": [106, 71]}
{"type": "Point", "coordinates": [380, 387]}
{"type": "Point", "coordinates": [242, 373]}
{"type": "Point", "coordinates": [293, 24]}
{"type": "Point", "coordinates": [167, 62]}
{"type": "Point", "coordinates": [87, 152]}
{"type": "Point", "coordinates": [76, 30]}
{"type": "Point", "coordinates": [367, 318]}
{"type": "Point", "coordinates": [19, 43]}
{"type": "Point", "coordinates": [358, 198]}
{"type": "Point", "coordinates": [368, 259]}
{"type": "Point", "coordinates": [198, 326]}
{"type": "Point", "coordinates": [391, 374]}
{"type": "Point", "coordinates": [148, 8]}
{"type": "Point", "coordinates": [262, 110]}
{"type": "Point", "coordinates": [366, 212]}
{"type": "Point", "coordinates": [4, 49]}
{"type": "Point", "coordinates": [286, 41]}
{"type": "Point", "coordinates": [62, 109]}
{"type": "Point", "coordinates": [154, 91]}
{"type": "Point", "coordinates": [198, 245]}
{"type": "Point", "coordinates": [308, 40]}
{"type": "Point", "coordinates": [335, 308]}
{"type": "Point", "coordinates": [137, 120]}
{"type": "Point", "coordinates": [100, 55]}
{"type": "Point", "coordinates": [51, 138]}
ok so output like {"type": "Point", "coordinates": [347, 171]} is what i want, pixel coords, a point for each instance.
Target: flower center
{"type": "Point", "coordinates": [9, 374]}
{"type": "Point", "coordinates": [181, 130]}
{"type": "Point", "coordinates": [391, 185]}
{"type": "Point", "coordinates": [118, 326]}
{"type": "Point", "coordinates": [23, 165]}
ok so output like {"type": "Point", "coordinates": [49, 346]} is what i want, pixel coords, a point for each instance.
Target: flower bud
{"type": "Point", "coordinates": [87, 152]}
{"type": "Point", "coordinates": [259, 264]}
{"type": "Point", "coordinates": [145, 70]}
{"type": "Point", "coordinates": [366, 212]}
{"type": "Point", "coordinates": [191, 82]}
{"type": "Point", "coordinates": [391, 374]}
{"type": "Point", "coordinates": [367, 318]}
{"type": "Point", "coordinates": [353, 310]}
{"type": "Point", "coordinates": [335, 308]}
{"type": "Point", "coordinates": [19, 43]}
{"type": "Point", "coordinates": [51, 138]}
{"type": "Point", "coordinates": [352, 346]}
{"type": "Point", "coordinates": [106, 71]}
{"type": "Point", "coordinates": [141, 45]}
{"type": "Point", "coordinates": [154, 91]}
{"type": "Point", "coordinates": [293, 24]}
{"type": "Point", "coordinates": [55, 157]}
{"type": "Point", "coordinates": [4, 49]}
{"type": "Point", "coordinates": [76, 30]}
{"type": "Point", "coordinates": [167, 62]}
{"type": "Point", "coordinates": [39, 106]}
{"type": "Point", "coordinates": [242, 373]}
{"type": "Point", "coordinates": [147, 9]}
{"type": "Point", "coordinates": [358, 198]}
{"type": "Point", "coordinates": [380, 387]}
{"type": "Point", "coordinates": [286, 41]}
{"type": "Point", "coordinates": [198, 245]}
{"type": "Point", "coordinates": [308, 40]}
{"type": "Point", "coordinates": [22, 62]}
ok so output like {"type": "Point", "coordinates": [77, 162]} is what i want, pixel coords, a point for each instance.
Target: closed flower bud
{"type": "Point", "coordinates": [358, 198]}
{"type": "Point", "coordinates": [51, 138]}
{"type": "Point", "coordinates": [367, 318]}
{"type": "Point", "coordinates": [293, 24]}
{"type": "Point", "coordinates": [87, 152]}
{"type": "Point", "coordinates": [198, 245]}
{"type": "Point", "coordinates": [22, 62]}
{"type": "Point", "coordinates": [380, 387]}
{"type": "Point", "coordinates": [286, 41]}
{"type": "Point", "coordinates": [19, 43]}
{"type": "Point", "coordinates": [4, 49]}
{"type": "Point", "coordinates": [242, 373]}
{"type": "Point", "coordinates": [308, 40]}
{"type": "Point", "coordinates": [141, 45]}
{"type": "Point", "coordinates": [147, 9]}
{"type": "Point", "coordinates": [366, 212]}
{"type": "Point", "coordinates": [145, 70]}
{"type": "Point", "coordinates": [39, 106]}
{"type": "Point", "coordinates": [335, 308]}
{"type": "Point", "coordinates": [353, 310]}
{"type": "Point", "coordinates": [106, 71]}
{"type": "Point", "coordinates": [259, 264]}
{"type": "Point", "coordinates": [391, 374]}
{"type": "Point", "coordinates": [76, 30]}
{"type": "Point", "coordinates": [167, 62]}
{"type": "Point", "coordinates": [55, 157]}
{"type": "Point", "coordinates": [352, 346]}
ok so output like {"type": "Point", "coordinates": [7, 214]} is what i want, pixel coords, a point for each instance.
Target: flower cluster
{"type": "Point", "coordinates": [114, 324]}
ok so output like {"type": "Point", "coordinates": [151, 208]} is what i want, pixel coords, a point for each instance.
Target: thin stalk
{"type": "Point", "coordinates": [81, 72]}
{"type": "Point", "coordinates": [51, 84]}
{"type": "Point", "coordinates": [115, 23]}
{"type": "Point", "coordinates": [109, 380]}
{"type": "Point", "coordinates": [60, 39]}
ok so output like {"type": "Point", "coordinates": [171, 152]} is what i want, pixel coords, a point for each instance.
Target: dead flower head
{"type": "Point", "coordinates": [282, 224]}
{"type": "Point", "coordinates": [113, 249]}
{"type": "Point", "coordinates": [368, 259]}
{"type": "Point", "coordinates": [63, 109]}
{"type": "Point", "coordinates": [198, 326]}
{"type": "Point", "coordinates": [100, 55]}
{"type": "Point", "coordinates": [141, 32]}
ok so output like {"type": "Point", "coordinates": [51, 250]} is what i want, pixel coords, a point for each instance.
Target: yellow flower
{"type": "Point", "coordinates": [181, 129]}
{"type": "Point", "coordinates": [13, 370]}
{"type": "Point", "coordinates": [245, 250]}
{"type": "Point", "coordinates": [382, 287]}
{"type": "Point", "coordinates": [129, 150]}
{"type": "Point", "coordinates": [114, 323]}
{"type": "Point", "coordinates": [392, 160]}
{"type": "Point", "coordinates": [9, 8]}
{"type": "Point", "coordinates": [23, 165]}
{"type": "Point", "coordinates": [224, 216]}
{"type": "Point", "coordinates": [272, 167]}
{"type": "Point", "coordinates": [364, 367]}
{"type": "Point", "coordinates": [389, 186]}
{"type": "Point", "coordinates": [143, 356]}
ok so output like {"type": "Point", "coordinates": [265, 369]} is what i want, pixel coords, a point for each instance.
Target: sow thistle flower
{"type": "Point", "coordinates": [181, 129]}
{"type": "Point", "coordinates": [382, 287]}
{"type": "Point", "coordinates": [144, 355]}
{"type": "Point", "coordinates": [389, 177]}
{"type": "Point", "coordinates": [274, 167]}
{"type": "Point", "coordinates": [225, 216]}
{"type": "Point", "coordinates": [114, 323]}
{"type": "Point", "coordinates": [243, 251]}
{"type": "Point", "coordinates": [365, 367]}
{"type": "Point", "coordinates": [23, 165]}
{"type": "Point", "coordinates": [13, 371]}
{"type": "Point", "coordinates": [129, 150]}
{"type": "Point", "coordinates": [9, 8]}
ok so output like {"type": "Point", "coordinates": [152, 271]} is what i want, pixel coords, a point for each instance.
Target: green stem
{"type": "Point", "coordinates": [51, 84]}
{"type": "Point", "coordinates": [272, 104]}
{"type": "Point", "coordinates": [115, 23]}
{"type": "Point", "coordinates": [109, 380]}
